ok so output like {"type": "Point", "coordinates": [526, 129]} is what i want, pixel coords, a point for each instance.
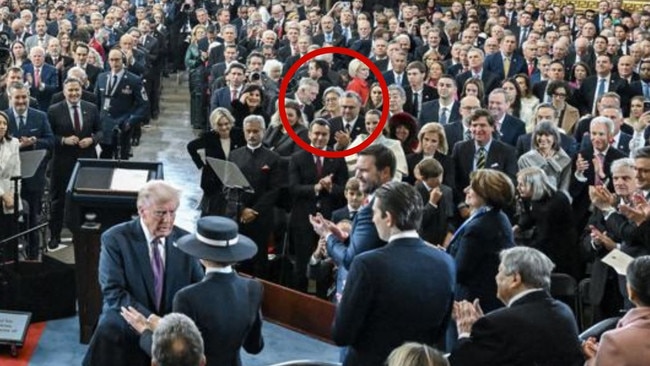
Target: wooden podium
{"type": "Point", "coordinates": [92, 207]}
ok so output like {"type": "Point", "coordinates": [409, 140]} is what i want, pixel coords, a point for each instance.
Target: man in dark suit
{"type": "Point", "coordinates": [254, 211]}
{"type": "Point", "coordinates": [397, 75]}
{"type": "Point", "coordinates": [31, 128]}
{"type": "Point", "coordinates": [346, 128]}
{"type": "Point", "coordinates": [43, 78]}
{"type": "Point", "coordinates": [596, 85]}
{"type": "Point", "coordinates": [77, 129]}
{"type": "Point", "coordinates": [521, 333]}
{"type": "Point", "coordinates": [438, 201]}
{"type": "Point", "coordinates": [592, 167]}
{"type": "Point", "coordinates": [444, 109]}
{"type": "Point", "coordinates": [133, 272]}
{"type": "Point", "coordinates": [79, 74]}
{"type": "Point", "coordinates": [14, 75]}
{"type": "Point", "coordinates": [329, 34]}
{"type": "Point", "coordinates": [239, 323]}
{"type": "Point", "coordinates": [223, 97]}
{"type": "Point", "coordinates": [507, 60]}
{"type": "Point", "coordinates": [545, 112]}
{"type": "Point", "coordinates": [620, 140]}
{"type": "Point", "coordinates": [81, 60]}
{"type": "Point", "coordinates": [122, 102]}
{"type": "Point", "coordinates": [433, 43]}
{"type": "Point", "coordinates": [482, 151]}
{"type": "Point", "coordinates": [508, 127]}
{"type": "Point", "coordinates": [459, 130]}
{"type": "Point", "coordinates": [153, 74]}
{"type": "Point", "coordinates": [477, 71]}
{"type": "Point", "coordinates": [375, 166]}
{"type": "Point", "coordinates": [380, 57]}
{"type": "Point", "coordinates": [385, 287]}
{"type": "Point", "coordinates": [316, 184]}
{"type": "Point", "coordinates": [642, 86]}
{"type": "Point", "coordinates": [417, 93]}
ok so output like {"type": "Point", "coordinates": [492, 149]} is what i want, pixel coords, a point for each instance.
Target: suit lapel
{"type": "Point", "coordinates": [141, 249]}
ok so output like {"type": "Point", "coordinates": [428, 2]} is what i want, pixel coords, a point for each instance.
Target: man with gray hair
{"type": "Point", "coordinates": [77, 73]}
{"type": "Point", "coordinates": [254, 211]}
{"type": "Point", "coordinates": [533, 328]}
{"type": "Point", "coordinates": [177, 342]}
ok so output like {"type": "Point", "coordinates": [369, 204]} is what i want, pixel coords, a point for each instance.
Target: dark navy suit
{"type": "Point", "coordinates": [221, 98]}
{"type": "Point", "coordinates": [494, 63]}
{"type": "Point", "coordinates": [126, 279]}
{"type": "Point", "coordinates": [475, 247]}
{"type": "Point", "coordinates": [511, 129]}
{"type": "Point", "coordinates": [535, 330]}
{"type": "Point", "coordinates": [389, 76]}
{"type": "Point", "coordinates": [49, 84]}
{"type": "Point", "coordinates": [128, 106]}
{"type": "Point", "coordinates": [237, 323]}
{"type": "Point", "coordinates": [36, 125]}
{"type": "Point", "coordinates": [384, 296]}
{"type": "Point", "coordinates": [431, 112]}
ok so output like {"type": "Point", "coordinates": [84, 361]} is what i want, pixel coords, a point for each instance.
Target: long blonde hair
{"type": "Point", "coordinates": [416, 354]}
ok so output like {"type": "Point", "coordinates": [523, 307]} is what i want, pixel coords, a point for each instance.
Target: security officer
{"type": "Point", "coordinates": [122, 102]}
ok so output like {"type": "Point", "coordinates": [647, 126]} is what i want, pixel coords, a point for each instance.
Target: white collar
{"type": "Point", "coordinates": [404, 234]}
{"type": "Point", "coordinates": [522, 294]}
{"type": "Point", "coordinates": [226, 269]}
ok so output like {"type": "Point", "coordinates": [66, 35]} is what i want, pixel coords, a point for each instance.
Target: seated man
{"type": "Point", "coordinates": [534, 329]}
{"type": "Point", "coordinates": [134, 273]}
{"type": "Point", "coordinates": [177, 342]}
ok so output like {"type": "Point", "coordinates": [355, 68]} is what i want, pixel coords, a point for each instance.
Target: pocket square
{"type": "Point", "coordinates": [495, 165]}
{"type": "Point", "coordinates": [266, 168]}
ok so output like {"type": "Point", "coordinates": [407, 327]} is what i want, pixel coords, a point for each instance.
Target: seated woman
{"type": "Point", "coordinates": [476, 244]}
{"type": "Point", "coordinates": [372, 118]}
{"type": "Point", "coordinates": [542, 207]}
{"type": "Point", "coordinates": [629, 343]}
{"type": "Point", "coordinates": [217, 143]}
{"type": "Point", "coordinates": [331, 107]}
{"type": "Point", "coordinates": [547, 154]}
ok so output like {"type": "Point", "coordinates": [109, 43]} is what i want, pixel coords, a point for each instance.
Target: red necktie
{"type": "Point", "coordinates": [530, 69]}
{"type": "Point", "coordinates": [233, 95]}
{"type": "Point", "coordinates": [37, 77]}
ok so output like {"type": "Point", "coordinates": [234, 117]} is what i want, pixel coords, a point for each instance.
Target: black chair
{"type": "Point", "coordinates": [599, 328]}
{"type": "Point", "coordinates": [306, 363]}
{"type": "Point", "coordinates": [565, 288]}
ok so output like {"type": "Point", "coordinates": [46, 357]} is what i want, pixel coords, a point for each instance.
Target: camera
{"type": "Point", "coordinates": [255, 76]}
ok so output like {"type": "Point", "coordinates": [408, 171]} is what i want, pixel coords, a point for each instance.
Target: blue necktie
{"type": "Point", "coordinates": [22, 122]}
{"type": "Point", "coordinates": [601, 88]}
{"type": "Point", "coordinates": [646, 91]}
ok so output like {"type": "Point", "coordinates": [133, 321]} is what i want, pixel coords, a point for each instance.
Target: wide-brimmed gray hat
{"type": "Point", "coordinates": [217, 239]}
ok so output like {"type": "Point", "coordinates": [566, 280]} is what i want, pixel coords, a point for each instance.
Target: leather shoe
{"type": "Point", "coordinates": [53, 243]}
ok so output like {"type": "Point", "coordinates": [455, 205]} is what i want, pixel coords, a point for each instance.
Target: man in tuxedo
{"type": "Point", "coordinates": [375, 167]}
{"type": "Point", "coordinates": [77, 129]}
{"type": "Point", "coordinates": [596, 85]}
{"type": "Point", "coordinates": [122, 102]}
{"type": "Point", "coordinates": [254, 211]}
{"type": "Point", "coordinates": [476, 70]}
{"type": "Point", "coordinates": [507, 63]}
{"type": "Point", "coordinates": [81, 60]}
{"type": "Point", "coordinates": [42, 78]}
{"type": "Point", "coordinates": [417, 93]}
{"type": "Point", "coordinates": [520, 333]}
{"type": "Point", "coordinates": [443, 110]}
{"type": "Point", "coordinates": [32, 129]}
{"type": "Point", "coordinates": [508, 127]}
{"type": "Point", "coordinates": [316, 185]}
{"type": "Point", "coordinates": [140, 266]}
{"type": "Point", "coordinates": [350, 124]}
{"type": "Point", "coordinates": [483, 151]}
{"type": "Point", "coordinates": [385, 287]}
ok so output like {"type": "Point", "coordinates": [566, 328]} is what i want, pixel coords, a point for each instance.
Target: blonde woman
{"type": "Point", "coordinates": [432, 143]}
{"type": "Point", "coordinates": [416, 354]}
{"type": "Point", "coordinates": [194, 59]}
{"type": "Point", "coordinates": [359, 73]}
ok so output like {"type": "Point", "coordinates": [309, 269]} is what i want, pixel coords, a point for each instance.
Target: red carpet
{"type": "Point", "coordinates": [25, 353]}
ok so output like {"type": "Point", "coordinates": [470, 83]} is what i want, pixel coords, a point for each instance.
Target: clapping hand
{"type": "Point", "coordinates": [466, 314]}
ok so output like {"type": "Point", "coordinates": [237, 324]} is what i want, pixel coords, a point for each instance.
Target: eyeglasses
{"type": "Point", "coordinates": [160, 214]}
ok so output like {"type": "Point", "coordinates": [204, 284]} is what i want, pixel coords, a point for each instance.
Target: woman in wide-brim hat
{"type": "Point", "coordinates": [225, 306]}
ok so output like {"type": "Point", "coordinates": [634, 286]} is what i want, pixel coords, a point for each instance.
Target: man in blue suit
{"type": "Point", "coordinates": [223, 97]}
{"type": "Point", "coordinates": [43, 78]}
{"type": "Point", "coordinates": [375, 166]}
{"type": "Point", "coordinates": [141, 267]}
{"type": "Point", "coordinates": [122, 102]}
{"type": "Point", "coordinates": [498, 63]}
{"type": "Point", "coordinates": [508, 127]}
{"type": "Point", "coordinates": [31, 128]}
{"type": "Point", "coordinates": [398, 74]}
{"type": "Point", "coordinates": [387, 287]}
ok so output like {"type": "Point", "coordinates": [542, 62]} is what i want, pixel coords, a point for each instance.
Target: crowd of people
{"type": "Point", "coordinates": [516, 142]}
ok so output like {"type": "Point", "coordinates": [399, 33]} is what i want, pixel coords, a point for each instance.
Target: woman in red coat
{"type": "Point", "coordinates": [359, 73]}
